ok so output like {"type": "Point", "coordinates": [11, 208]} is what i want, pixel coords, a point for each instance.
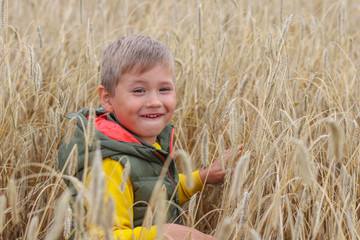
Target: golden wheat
{"type": "Point", "coordinates": [257, 72]}
{"type": "Point", "coordinates": [33, 228]}
{"type": "Point", "coordinates": [60, 215]}
{"type": "Point", "coordinates": [2, 211]}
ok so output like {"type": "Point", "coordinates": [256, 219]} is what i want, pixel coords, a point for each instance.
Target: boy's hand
{"type": "Point", "coordinates": [180, 232]}
{"type": "Point", "coordinates": [215, 173]}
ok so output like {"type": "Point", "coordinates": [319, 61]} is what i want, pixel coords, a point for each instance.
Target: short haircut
{"type": "Point", "coordinates": [137, 51]}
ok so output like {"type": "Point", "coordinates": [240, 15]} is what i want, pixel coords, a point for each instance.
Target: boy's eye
{"type": "Point", "coordinates": [164, 89]}
{"type": "Point", "coordinates": [138, 90]}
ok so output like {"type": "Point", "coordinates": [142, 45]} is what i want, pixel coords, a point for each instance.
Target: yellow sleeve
{"type": "Point", "coordinates": [184, 193]}
{"type": "Point", "coordinates": [124, 201]}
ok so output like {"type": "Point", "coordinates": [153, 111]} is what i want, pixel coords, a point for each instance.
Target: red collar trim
{"type": "Point", "coordinates": [172, 142]}
{"type": "Point", "coordinates": [113, 130]}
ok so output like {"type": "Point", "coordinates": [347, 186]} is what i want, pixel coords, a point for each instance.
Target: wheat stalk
{"type": "Point", "coordinates": [306, 199]}
{"type": "Point", "coordinates": [72, 161]}
{"type": "Point", "coordinates": [275, 209]}
{"type": "Point", "coordinates": [13, 200]}
{"type": "Point", "coordinates": [192, 206]}
{"type": "Point", "coordinates": [2, 211]}
{"type": "Point", "coordinates": [160, 214]}
{"type": "Point", "coordinates": [81, 11]}
{"type": "Point", "coordinates": [242, 88]}
{"type": "Point", "coordinates": [219, 99]}
{"type": "Point", "coordinates": [199, 24]}
{"type": "Point", "coordinates": [243, 209]}
{"type": "Point", "coordinates": [299, 225]}
{"type": "Point", "coordinates": [79, 215]}
{"type": "Point", "coordinates": [97, 188]}
{"type": "Point", "coordinates": [149, 216]}
{"type": "Point", "coordinates": [126, 173]}
{"type": "Point", "coordinates": [345, 184]}
{"type": "Point", "coordinates": [351, 226]}
{"type": "Point", "coordinates": [58, 224]}
{"type": "Point", "coordinates": [108, 218]}
{"type": "Point", "coordinates": [186, 163]}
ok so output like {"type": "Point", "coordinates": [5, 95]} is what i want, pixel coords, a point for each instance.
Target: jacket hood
{"type": "Point", "coordinates": [114, 140]}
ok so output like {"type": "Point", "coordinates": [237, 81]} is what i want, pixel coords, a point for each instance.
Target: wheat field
{"type": "Point", "coordinates": [281, 77]}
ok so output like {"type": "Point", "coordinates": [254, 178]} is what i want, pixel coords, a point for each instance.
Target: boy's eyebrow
{"type": "Point", "coordinates": [144, 81]}
{"type": "Point", "coordinates": [138, 81]}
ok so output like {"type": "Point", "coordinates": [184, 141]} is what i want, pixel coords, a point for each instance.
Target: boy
{"type": "Point", "coordinates": [138, 97]}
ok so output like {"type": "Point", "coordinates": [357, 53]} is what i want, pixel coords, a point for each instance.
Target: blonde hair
{"type": "Point", "coordinates": [137, 51]}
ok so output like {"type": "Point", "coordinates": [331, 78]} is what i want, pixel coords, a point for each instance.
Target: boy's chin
{"type": "Point", "coordinates": [149, 138]}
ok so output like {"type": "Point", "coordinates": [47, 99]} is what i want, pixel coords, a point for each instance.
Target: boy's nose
{"type": "Point", "coordinates": [153, 100]}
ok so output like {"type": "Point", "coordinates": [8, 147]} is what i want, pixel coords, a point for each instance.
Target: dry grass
{"type": "Point", "coordinates": [282, 77]}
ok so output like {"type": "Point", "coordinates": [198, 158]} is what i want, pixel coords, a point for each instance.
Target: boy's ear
{"type": "Point", "coordinates": [105, 99]}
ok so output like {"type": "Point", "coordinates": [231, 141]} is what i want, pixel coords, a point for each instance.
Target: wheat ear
{"type": "Point", "coordinates": [160, 213]}
{"type": "Point", "coordinates": [2, 210]}
{"type": "Point", "coordinates": [38, 29]}
{"type": "Point", "coordinates": [60, 214]}
{"type": "Point", "coordinates": [108, 218]}
{"type": "Point", "coordinates": [13, 198]}
{"type": "Point", "coordinates": [125, 177]}
{"type": "Point", "coordinates": [226, 229]}
{"type": "Point", "coordinates": [205, 147]}
{"type": "Point", "coordinates": [221, 151]}
{"type": "Point", "coordinates": [97, 187]}
{"type": "Point", "coordinates": [303, 161]}
{"type": "Point", "coordinates": [4, 5]}
{"type": "Point", "coordinates": [336, 139]}
{"type": "Point", "coordinates": [72, 161]}
{"type": "Point", "coordinates": [70, 130]}
{"type": "Point", "coordinates": [67, 222]}
{"type": "Point", "coordinates": [33, 229]}
{"type": "Point", "coordinates": [239, 174]}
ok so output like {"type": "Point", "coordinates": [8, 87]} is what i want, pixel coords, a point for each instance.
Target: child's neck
{"type": "Point", "coordinates": [150, 141]}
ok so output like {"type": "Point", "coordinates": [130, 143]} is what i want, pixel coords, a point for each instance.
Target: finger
{"type": "Point", "coordinates": [240, 149]}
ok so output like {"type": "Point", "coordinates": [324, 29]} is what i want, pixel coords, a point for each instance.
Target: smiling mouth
{"type": "Point", "coordinates": [152, 116]}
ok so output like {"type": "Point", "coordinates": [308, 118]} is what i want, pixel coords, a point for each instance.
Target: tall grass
{"type": "Point", "coordinates": [282, 77]}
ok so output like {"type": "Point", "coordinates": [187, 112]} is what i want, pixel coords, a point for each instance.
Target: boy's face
{"type": "Point", "coordinates": [143, 102]}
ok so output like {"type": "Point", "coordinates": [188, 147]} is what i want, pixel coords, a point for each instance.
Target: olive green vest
{"type": "Point", "coordinates": [143, 176]}
{"type": "Point", "coordinates": [146, 163]}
